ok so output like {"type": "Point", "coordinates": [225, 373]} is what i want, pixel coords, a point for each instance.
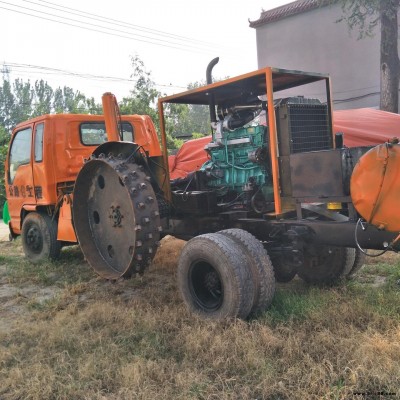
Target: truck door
{"type": "Point", "coordinates": [20, 187]}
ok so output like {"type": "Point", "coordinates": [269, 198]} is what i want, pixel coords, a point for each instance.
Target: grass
{"type": "Point", "coordinates": [134, 339]}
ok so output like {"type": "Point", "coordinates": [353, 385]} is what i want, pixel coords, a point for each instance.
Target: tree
{"type": "Point", "coordinates": [144, 95]}
{"type": "Point", "coordinates": [68, 100]}
{"type": "Point", "coordinates": [143, 101]}
{"type": "Point", "coordinates": [365, 15]}
{"type": "Point", "coordinates": [6, 105]}
{"type": "Point", "coordinates": [43, 98]}
{"type": "Point", "coordinates": [4, 139]}
{"type": "Point", "coordinates": [23, 99]}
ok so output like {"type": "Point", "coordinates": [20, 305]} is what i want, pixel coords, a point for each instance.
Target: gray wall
{"type": "Point", "coordinates": [313, 42]}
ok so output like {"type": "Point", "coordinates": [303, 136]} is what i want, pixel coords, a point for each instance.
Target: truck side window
{"type": "Point", "coordinates": [20, 152]}
{"type": "Point", "coordinates": [94, 133]}
{"type": "Point", "coordinates": [39, 142]}
{"type": "Point", "coordinates": [127, 132]}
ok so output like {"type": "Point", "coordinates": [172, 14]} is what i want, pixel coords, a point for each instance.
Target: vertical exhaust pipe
{"type": "Point", "coordinates": [213, 115]}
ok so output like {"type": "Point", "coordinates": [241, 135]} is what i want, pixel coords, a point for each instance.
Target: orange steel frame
{"type": "Point", "coordinates": [269, 78]}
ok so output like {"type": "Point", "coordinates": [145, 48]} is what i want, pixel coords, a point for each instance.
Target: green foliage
{"type": "Point", "coordinates": [180, 119]}
{"type": "Point", "coordinates": [144, 94]}
{"type": "Point", "coordinates": [68, 100]}
{"type": "Point", "coordinates": [4, 139]}
{"type": "Point", "coordinates": [361, 15]}
{"type": "Point", "coordinates": [197, 135]}
{"type": "Point", "coordinates": [173, 143]}
{"type": "Point", "coordinates": [20, 101]}
{"type": "Point", "coordinates": [44, 95]}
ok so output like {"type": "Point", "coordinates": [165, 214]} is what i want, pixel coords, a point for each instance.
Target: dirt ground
{"type": "Point", "coordinates": [65, 333]}
{"type": "Point", "coordinates": [3, 231]}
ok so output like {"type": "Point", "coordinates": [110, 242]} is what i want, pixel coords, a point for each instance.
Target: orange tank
{"type": "Point", "coordinates": [375, 186]}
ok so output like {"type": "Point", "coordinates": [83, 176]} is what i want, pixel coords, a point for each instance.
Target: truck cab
{"type": "Point", "coordinates": [47, 152]}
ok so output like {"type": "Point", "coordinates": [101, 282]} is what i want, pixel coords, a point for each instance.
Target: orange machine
{"type": "Point", "coordinates": [45, 155]}
{"type": "Point", "coordinates": [278, 195]}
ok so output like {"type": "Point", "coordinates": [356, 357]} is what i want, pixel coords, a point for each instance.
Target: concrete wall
{"type": "Point", "coordinates": [314, 42]}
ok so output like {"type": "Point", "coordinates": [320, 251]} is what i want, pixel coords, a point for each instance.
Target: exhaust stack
{"type": "Point", "coordinates": [213, 115]}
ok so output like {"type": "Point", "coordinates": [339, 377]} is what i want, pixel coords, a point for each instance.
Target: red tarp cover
{"type": "Point", "coordinates": [366, 126]}
{"type": "Point", "coordinates": [190, 157]}
{"type": "Point", "coordinates": [361, 127]}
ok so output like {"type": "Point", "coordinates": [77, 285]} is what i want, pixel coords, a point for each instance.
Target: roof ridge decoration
{"type": "Point", "coordinates": [287, 10]}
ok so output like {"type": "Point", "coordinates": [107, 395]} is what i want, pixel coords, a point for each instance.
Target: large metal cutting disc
{"type": "Point", "coordinates": [116, 217]}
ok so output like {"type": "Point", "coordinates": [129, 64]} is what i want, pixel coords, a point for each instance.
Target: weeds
{"type": "Point", "coordinates": [80, 337]}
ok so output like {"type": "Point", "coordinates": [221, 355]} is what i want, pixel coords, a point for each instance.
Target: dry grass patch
{"type": "Point", "coordinates": [135, 340]}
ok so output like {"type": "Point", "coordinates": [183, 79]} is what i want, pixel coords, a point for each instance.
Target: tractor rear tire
{"type": "Point", "coordinates": [260, 267]}
{"type": "Point", "coordinates": [213, 278]}
{"type": "Point", "coordinates": [325, 265]}
{"type": "Point", "coordinates": [359, 261]}
{"type": "Point", "coordinates": [39, 238]}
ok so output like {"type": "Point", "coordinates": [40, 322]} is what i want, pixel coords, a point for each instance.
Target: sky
{"type": "Point", "coordinates": [88, 45]}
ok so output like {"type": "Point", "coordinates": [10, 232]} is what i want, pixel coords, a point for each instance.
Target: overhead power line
{"type": "Point", "coordinates": [122, 23]}
{"type": "Point", "coordinates": [89, 26]}
{"type": "Point", "coordinates": [7, 66]}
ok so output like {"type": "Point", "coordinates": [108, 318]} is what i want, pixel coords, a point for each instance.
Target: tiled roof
{"type": "Point", "coordinates": [296, 7]}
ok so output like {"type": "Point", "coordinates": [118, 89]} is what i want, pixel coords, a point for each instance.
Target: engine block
{"type": "Point", "coordinates": [236, 160]}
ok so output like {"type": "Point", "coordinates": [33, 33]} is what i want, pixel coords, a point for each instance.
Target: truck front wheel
{"type": "Point", "coordinates": [39, 237]}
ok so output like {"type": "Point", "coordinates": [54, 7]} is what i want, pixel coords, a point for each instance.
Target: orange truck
{"type": "Point", "coordinates": [279, 194]}
{"type": "Point", "coordinates": [46, 153]}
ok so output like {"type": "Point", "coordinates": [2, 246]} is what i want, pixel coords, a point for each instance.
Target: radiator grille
{"type": "Point", "coordinates": [308, 127]}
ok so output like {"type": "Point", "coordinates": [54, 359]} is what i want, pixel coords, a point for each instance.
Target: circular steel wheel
{"type": "Point", "coordinates": [116, 217]}
{"type": "Point", "coordinates": [325, 264]}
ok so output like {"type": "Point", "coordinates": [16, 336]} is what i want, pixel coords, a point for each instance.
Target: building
{"type": "Point", "coordinates": [304, 35]}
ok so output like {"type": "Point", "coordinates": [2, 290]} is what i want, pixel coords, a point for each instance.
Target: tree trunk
{"type": "Point", "coordinates": [389, 56]}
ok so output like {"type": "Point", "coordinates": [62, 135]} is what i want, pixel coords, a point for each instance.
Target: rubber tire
{"type": "Point", "coordinates": [221, 254]}
{"type": "Point", "coordinates": [260, 267]}
{"type": "Point", "coordinates": [45, 229]}
{"type": "Point", "coordinates": [283, 272]}
{"type": "Point", "coordinates": [359, 261]}
{"type": "Point", "coordinates": [330, 265]}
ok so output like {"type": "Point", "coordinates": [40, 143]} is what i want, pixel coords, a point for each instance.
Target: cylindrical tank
{"type": "Point", "coordinates": [375, 186]}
